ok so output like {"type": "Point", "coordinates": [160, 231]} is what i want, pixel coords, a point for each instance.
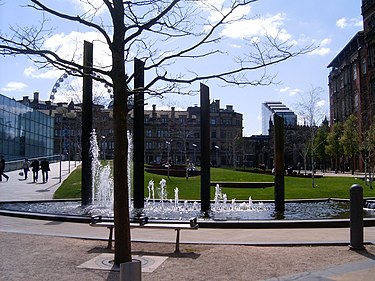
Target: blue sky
{"type": "Point", "coordinates": [327, 23]}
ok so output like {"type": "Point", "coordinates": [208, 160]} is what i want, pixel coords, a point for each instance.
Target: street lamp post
{"type": "Point", "coordinates": [194, 147]}
{"type": "Point", "coordinates": [104, 144]}
{"type": "Point", "coordinates": [62, 111]}
{"type": "Point", "coordinates": [169, 147]}
{"type": "Point", "coordinates": [217, 155]}
{"type": "Point", "coordinates": [70, 115]}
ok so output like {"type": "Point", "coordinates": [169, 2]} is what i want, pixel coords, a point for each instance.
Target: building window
{"type": "Point", "coordinates": [148, 145]}
{"type": "Point", "coordinates": [213, 121]}
{"type": "Point", "coordinates": [356, 102]}
{"type": "Point", "coordinates": [355, 71]}
{"type": "Point", "coordinates": [364, 67]}
{"type": "Point", "coordinates": [148, 133]}
{"type": "Point", "coordinates": [213, 134]}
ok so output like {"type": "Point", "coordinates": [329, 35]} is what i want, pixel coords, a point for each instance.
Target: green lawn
{"type": "Point", "coordinates": [295, 188]}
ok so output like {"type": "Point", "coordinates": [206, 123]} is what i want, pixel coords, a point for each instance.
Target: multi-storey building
{"type": "Point", "coordinates": [269, 108]}
{"type": "Point", "coordinates": [24, 132]}
{"type": "Point", "coordinates": [347, 80]}
{"type": "Point", "coordinates": [368, 90]}
{"type": "Point", "coordinates": [352, 75]}
{"type": "Point", "coordinates": [170, 135]}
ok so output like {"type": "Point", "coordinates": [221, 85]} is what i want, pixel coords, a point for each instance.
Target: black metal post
{"type": "Point", "coordinates": [87, 195]}
{"type": "Point", "coordinates": [356, 217]}
{"type": "Point", "coordinates": [205, 148]}
{"type": "Point", "coordinates": [279, 163]}
{"type": "Point", "coordinates": [138, 135]}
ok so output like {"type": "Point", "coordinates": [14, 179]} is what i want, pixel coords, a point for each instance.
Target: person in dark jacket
{"type": "Point", "coordinates": [35, 169]}
{"type": "Point", "coordinates": [44, 166]}
{"type": "Point", "coordinates": [2, 168]}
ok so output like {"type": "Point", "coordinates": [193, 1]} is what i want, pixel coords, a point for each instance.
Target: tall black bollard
{"type": "Point", "coordinates": [87, 195]}
{"type": "Point", "coordinates": [205, 148]}
{"type": "Point", "coordinates": [356, 217]}
{"type": "Point", "coordinates": [279, 164]}
{"type": "Point", "coordinates": [138, 135]}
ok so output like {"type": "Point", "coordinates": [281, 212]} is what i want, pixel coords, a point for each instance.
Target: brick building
{"type": "Point", "coordinates": [169, 134]}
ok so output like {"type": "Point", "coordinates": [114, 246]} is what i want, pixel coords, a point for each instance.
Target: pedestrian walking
{"type": "Point", "coordinates": [44, 166]}
{"type": "Point", "coordinates": [2, 168]}
{"type": "Point", "coordinates": [35, 169]}
{"type": "Point", "coordinates": [26, 167]}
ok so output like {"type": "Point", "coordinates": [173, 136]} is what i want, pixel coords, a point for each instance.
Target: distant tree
{"type": "Point", "coordinates": [165, 35]}
{"type": "Point", "coordinates": [310, 109]}
{"type": "Point", "coordinates": [333, 147]}
{"type": "Point", "coordinates": [320, 142]}
{"type": "Point", "coordinates": [350, 139]}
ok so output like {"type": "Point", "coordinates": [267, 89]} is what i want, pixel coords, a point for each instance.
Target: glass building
{"type": "Point", "coordinates": [269, 108]}
{"type": "Point", "coordinates": [24, 132]}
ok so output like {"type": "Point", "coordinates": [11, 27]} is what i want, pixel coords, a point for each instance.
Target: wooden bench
{"type": "Point", "coordinates": [96, 221]}
{"type": "Point", "coordinates": [242, 184]}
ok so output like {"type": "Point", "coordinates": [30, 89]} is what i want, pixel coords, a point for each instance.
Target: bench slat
{"type": "Point", "coordinates": [148, 225]}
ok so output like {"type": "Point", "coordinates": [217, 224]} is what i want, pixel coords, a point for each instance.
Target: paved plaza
{"type": "Point", "coordinates": [25, 230]}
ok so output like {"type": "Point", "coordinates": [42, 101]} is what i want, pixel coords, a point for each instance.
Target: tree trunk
{"type": "Point", "coordinates": [120, 111]}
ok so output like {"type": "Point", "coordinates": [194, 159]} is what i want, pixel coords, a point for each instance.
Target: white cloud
{"type": "Point", "coordinates": [322, 51]}
{"type": "Point", "coordinates": [271, 26]}
{"type": "Point", "coordinates": [237, 14]}
{"type": "Point", "coordinates": [14, 86]}
{"type": "Point", "coordinates": [90, 8]}
{"type": "Point", "coordinates": [290, 91]}
{"type": "Point", "coordinates": [344, 22]}
{"type": "Point", "coordinates": [36, 73]}
{"type": "Point", "coordinates": [325, 42]}
{"type": "Point", "coordinates": [235, 46]}
{"type": "Point", "coordinates": [321, 103]}
{"type": "Point", "coordinates": [70, 46]}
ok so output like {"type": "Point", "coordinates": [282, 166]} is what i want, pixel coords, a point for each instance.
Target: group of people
{"type": "Point", "coordinates": [35, 167]}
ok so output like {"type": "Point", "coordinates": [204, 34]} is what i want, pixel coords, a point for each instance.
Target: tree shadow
{"type": "Point", "coordinates": [188, 255]}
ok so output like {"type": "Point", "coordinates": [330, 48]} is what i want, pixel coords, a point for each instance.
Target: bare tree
{"type": "Point", "coordinates": [162, 33]}
{"type": "Point", "coordinates": [313, 114]}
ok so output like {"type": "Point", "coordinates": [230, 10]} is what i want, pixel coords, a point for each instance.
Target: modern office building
{"type": "Point", "coordinates": [24, 132]}
{"type": "Point", "coordinates": [269, 108]}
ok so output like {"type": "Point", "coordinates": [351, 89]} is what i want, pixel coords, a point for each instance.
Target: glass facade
{"type": "Point", "coordinates": [24, 132]}
{"type": "Point", "coordinates": [270, 108]}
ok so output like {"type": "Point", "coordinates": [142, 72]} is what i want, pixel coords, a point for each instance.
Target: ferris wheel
{"type": "Point", "coordinates": [68, 87]}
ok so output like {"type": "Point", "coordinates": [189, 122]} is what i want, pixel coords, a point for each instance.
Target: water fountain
{"type": "Point", "coordinates": [225, 212]}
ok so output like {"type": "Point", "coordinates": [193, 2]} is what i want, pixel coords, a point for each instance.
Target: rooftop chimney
{"type": "Point", "coordinates": [36, 97]}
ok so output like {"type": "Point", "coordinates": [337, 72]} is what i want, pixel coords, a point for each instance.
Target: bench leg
{"type": "Point", "coordinates": [110, 237]}
{"type": "Point", "coordinates": [177, 251]}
